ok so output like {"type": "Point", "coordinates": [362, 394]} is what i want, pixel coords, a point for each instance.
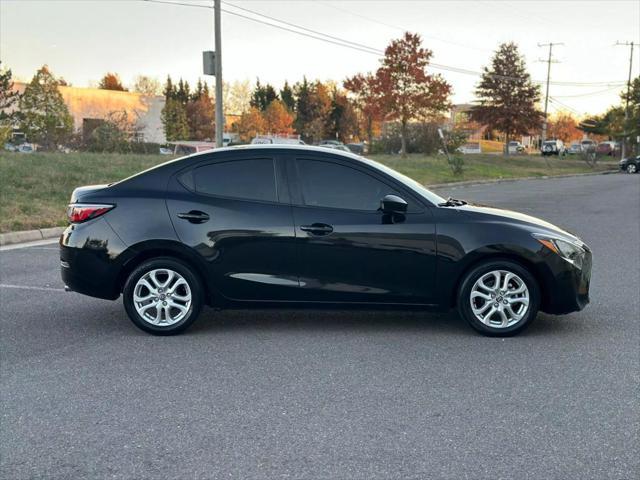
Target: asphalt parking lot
{"type": "Point", "coordinates": [340, 395]}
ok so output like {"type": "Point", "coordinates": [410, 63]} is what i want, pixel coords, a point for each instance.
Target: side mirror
{"type": "Point", "coordinates": [393, 204]}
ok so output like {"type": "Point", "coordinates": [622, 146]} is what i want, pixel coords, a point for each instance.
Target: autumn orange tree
{"type": "Point", "coordinates": [277, 118]}
{"type": "Point", "coordinates": [507, 96]}
{"type": "Point", "coordinates": [111, 81]}
{"type": "Point", "coordinates": [405, 90]}
{"type": "Point", "coordinates": [251, 123]}
{"type": "Point", "coordinates": [200, 115]}
{"type": "Point", "coordinates": [362, 88]}
{"type": "Point", "coordinates": [564, 127]}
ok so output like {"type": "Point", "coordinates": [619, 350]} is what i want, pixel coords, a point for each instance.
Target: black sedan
{"type": "Point", "coordinates": [291, 226]}
{"type": "Point", "coordinates": [630, 164]}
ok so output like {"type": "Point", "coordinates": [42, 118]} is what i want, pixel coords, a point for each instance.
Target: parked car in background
{"type": "Point", "coordinates": [276, 140]}
{"type": "Point", "coordinates": [26, 148]}
{"type": "Point", "coordinates": [330, 142]}
{"type": "Point", "coordinates": [21, 148]}
{"type": "Point", "coordinates": [334, 146]}
{"type": "Point", "coordinates": [575, 148]}
{"type": "Point", "coordinates": [630, 164]}
{"type": "Point", "coordinates": [607, 148]}
{"type": "Point", "coordinates": [515, 147]}
{"type": "Point", "coordinates": [283, 224]}
{"type": "Point", "coordinates": [357, 148]}
{"type": "Point", "coordinates": [552, 147]}
{"type": "Point", "coordinates": [588, 144]}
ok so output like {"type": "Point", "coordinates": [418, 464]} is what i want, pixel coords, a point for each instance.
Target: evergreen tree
{"type": "Point", "coordinates": [303, 106]}
{"type": "Point", "coordinates": [343, 121]}
{"type": "Point", "coordinates": [174, 120]}
{"type": "Point", "coordinates": [262, 96]}
{"type": "Point", "coordinates": [45, 117]}
{"type": "Point", "coordinates": [269, 95]}
{"type": "Point", "coordinates": [507, 97]}
{"type": "Point", "coordinates": [183, 92]}
{"type": "Point", "coordinates": [286, 95]}
{"type": "Point", "coordinates": [313, 107]}
{"type": "Point", "coordinates": [169, 91]}
{"type": "Point", "coordinates": [198, 92]}
{"type": "Point", "coordinates": [8, 99]}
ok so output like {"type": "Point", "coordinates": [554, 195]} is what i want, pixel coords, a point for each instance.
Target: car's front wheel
{"type": "Point", "coordinates": [499, 298]}
{"type": "Point", "coordinates": [632, 168]}
{"type": "Point", "coordinates": [163, 296]}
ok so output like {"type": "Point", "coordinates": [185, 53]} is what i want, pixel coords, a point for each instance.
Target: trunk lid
{"type": "Point", "coordinates": [81, 194]}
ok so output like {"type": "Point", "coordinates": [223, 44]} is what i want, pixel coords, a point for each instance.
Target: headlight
{"type": "Point", "coordinates": [570, 251]}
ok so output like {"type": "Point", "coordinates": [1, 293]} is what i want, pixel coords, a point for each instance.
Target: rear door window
{"type": "Point", "coordinates": [246, 179]}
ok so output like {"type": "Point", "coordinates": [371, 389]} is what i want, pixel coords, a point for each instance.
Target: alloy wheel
{"type": "Point", "coordinates": [499, 299]}
{"type": "Point", "coordinates": [162, 297]}
{"type": "Point", "coordinates": [631, 168]}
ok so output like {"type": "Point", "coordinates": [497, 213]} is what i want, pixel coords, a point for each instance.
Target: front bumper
{"type": "Point", "coordinates": [570, 290]}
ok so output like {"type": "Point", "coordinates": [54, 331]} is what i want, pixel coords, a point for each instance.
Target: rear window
{"type": "Point", "coordinates": [252, 179]}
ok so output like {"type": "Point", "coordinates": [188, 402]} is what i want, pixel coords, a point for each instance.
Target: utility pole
{"type": "Point", "coordinates": [626, 108]}
{"type": "Point", "coordinates": [549, 61]}
{"type": "Point", "coordinates": [218, 63]}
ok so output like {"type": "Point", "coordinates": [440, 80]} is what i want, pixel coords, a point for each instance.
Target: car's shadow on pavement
{"type": "Point", "coordinates": [358, 321]}
{"type": "Point", "coordinates": [419, 322]}
{"type": "Point", "coordinates": [212, 322]}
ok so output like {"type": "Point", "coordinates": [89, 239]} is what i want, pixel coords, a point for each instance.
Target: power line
{"type": "Point", "coordinates": [589, 94]}
{"type": "Point", "coordinates": [361, 47]}
{"type": "Point", "coordinates": [396, 27]}
{"type": "Point", "coordinates": [564, 105]}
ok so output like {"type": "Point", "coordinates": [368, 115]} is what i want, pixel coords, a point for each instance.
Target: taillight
{"type": "Point", "coordinates": [81, 212]}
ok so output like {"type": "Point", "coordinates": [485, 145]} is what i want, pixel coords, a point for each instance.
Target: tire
{"type": "Point", "coordinates": [512, 303]}
{"type": "Point", "coordinates": [632, 168]}
{"type": "Point", "coordinates": [178, 301]}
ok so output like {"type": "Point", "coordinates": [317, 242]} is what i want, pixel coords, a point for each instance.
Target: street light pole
{"type": "Point", "coordinates": [218, 63]}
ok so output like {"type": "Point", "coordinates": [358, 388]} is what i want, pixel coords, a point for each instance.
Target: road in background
{"type": "Point", "coordinates": [270, 394]}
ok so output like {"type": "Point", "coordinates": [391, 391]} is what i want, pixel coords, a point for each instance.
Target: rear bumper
{"type": "Point", "coordinates": [89, 259]}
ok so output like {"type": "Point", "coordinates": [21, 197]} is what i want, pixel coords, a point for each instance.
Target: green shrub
{"type": "Point", "coordinates": [421, 138]}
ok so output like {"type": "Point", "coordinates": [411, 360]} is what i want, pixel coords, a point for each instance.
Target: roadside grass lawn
{"type": "Point", "coordinates": [35, 188]}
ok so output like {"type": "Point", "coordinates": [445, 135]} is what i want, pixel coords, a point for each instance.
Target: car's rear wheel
{"type": "Point", "coordinates": [499, 298]}
{"type": "Point", "coordinates": [163, 296]}
{"type": "Point", "coordinates": [632, 168]}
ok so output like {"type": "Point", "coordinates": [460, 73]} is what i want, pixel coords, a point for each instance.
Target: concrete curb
{"type": "Point", "coordinates": [12, 238]}
{"type": "Point", "coordinates": [503, 180]}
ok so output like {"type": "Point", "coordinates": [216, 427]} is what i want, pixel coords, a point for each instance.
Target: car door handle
{"type": "Point", "coordinates": [194, 216]}
{"type": "Point", "coordinates": [317, 228]}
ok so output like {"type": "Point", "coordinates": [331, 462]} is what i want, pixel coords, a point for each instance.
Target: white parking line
{"type": "Point", "coordinates": [37, 243]}
{"type": "Point", "coordinates": [29, 287]}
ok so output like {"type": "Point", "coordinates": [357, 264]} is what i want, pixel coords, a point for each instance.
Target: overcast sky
{"type": "Point", "coordinates": [82, 39]}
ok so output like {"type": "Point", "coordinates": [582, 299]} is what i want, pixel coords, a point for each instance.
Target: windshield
{"type": "Point", "coordinates": [410, 182]}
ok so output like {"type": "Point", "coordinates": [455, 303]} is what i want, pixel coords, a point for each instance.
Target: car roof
{"type": "Point", "coordinates": [282, 146]}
